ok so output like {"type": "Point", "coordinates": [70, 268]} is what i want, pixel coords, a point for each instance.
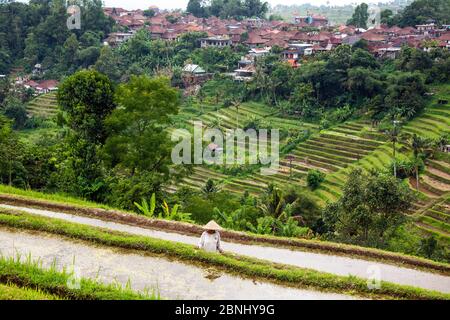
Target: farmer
{"type": "Point", "coordinates": [210, 239]}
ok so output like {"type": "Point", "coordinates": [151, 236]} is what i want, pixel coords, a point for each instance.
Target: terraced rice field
{"type": "Point", "coordinates": [436, 220]}
{"type": "Point", "coordinates": [330, 152]}
{"type": "Point", "coordinates": [348, 146]}
{"type": "Point", "coordinates": [433, 209]}
{"type": "Point", "coordinates": [44, 105]}
{"type": "Point", "coordinates": [231, 118]}
{"type": "Point", "coordinates": [435, 119]}
{"type": "Point", "coordinates": [335, 152]}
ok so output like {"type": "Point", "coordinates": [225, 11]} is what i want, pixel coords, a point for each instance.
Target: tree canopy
{"type": "Point", "coordinates": [360, 16]}
{"type": "Point", "coordinates": [237, 9]}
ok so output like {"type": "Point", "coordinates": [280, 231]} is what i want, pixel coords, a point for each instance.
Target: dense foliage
{"type": "Point", "coordinates": [370, 207]}
{"type": "Point", "coordinates": [237, 9]}
{"type": "Point", "coordinates": [423, 11]}
{"type": "Point", "coordinates": [360, 16]}
{"type": "Point", "coordinates": [40, 35]}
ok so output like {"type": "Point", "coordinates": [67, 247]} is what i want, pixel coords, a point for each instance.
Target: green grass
{"type": "Point", "coordinates": [54, 197]}
{"type": "Point", "coordinates": [254, 268]}
{"type": "Point", "coordinates": [30, 280]}
{"type": "Point", "coordinates": [13, 292]}
{"type": "Point", "coordinates": [436, 223]}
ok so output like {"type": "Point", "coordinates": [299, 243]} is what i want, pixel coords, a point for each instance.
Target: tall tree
{"type": "Point", "coordinates": [138, 141]}
{"type": "Point", "coordinates": [424, 11]}
{"type": "Point", "coordinates": [87, 99]}
{"type": "Point", "coordinates": [196, 8]}
{"type": "Point", "coordinates": [370, 207]}
{"type": "Point", "coordinates": [360, 16]}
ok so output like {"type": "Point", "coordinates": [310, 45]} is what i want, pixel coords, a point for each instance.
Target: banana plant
{"type": "Point", "coordinates": [145, 208]}
{"type": "Point", "coordinates": [174, 214]}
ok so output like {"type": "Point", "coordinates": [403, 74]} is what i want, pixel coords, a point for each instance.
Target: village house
{"type": "Point", "coordinates": [425, 28]}
{"type": "Point", "coordinates": [156, 31]}
{"type": "Point", "coordinates": [389, 52]}
{"type": "Point", "coordinates": [445, 38]}
{"type": "Point", "coordinates": [295, 51]}
{"type": "Point", "coordinates": [311, 20]}
{"type": "Point", "coordinates": [41, 87]}
{"type": "Point", "coordinates": [116, 38]}
{"type": "Point", "coordinates": [244, 73]}
{"type": "Point", "coordinates": [193, 74]}
{"type": "Point", "coordinates": [255, 40]}
{"type": "Point", "coordinates": [217, 41]}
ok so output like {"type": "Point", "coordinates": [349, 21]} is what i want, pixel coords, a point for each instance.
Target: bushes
{"type": "Point", "coordinates": [336, 116]}
{"type": "Point", "coordinates": [369, 211]}
{"type": "Point", "coordinates": [314, 178]}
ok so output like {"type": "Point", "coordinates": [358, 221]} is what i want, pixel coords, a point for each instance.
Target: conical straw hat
{"type": "Point", "coordinates": [212, 225]}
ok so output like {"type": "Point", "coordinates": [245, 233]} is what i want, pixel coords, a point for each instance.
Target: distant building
{"type": "Point", "coordinates": [295, 51]}
{"type": "Point", "coordinates": [445, 39]}
{"type": "Point", "coordinates": [117, 38]}
{"type": "Point", "coordinates": [193, 74]}
{"type": "Point", "coordinates": [43, 86]}
{"type": "Point", "coordinates": [389, 52]}
{"type": "Point", "coordinates": [218, 42]}
{"type": "Point", "coordinates": [426, 28]}
{"type": "Point", "coordinates": [311, 20]}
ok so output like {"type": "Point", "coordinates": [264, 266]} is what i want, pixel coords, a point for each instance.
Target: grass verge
{"type": "Point", "coordinates": [12, 292]}
{"type": "Point", "coordinates": [254, 268]}
{"type": "Point", "coordinates": [27, 279]}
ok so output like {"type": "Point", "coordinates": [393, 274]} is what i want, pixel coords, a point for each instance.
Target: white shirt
{"type": "Point", "coordinates": [210, 241]}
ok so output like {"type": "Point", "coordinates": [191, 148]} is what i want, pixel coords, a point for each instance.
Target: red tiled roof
{"type": "Point", "coordinates": [156, 29]}
{"type": "Point", "coordinates": [31, 83]}
{"type": "Point", "coordinates": [255, 39]}
{"type": "Point", "coordinates": [369, 36]}
{"type": "Point", "coordinates": [445, 37]}
{"type": "Point", "coordinates": [47, 84]}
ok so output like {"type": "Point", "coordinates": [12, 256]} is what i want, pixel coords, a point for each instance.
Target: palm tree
{"type": "Point", "coordinates": [236, 103]}
{"type": "Point", "coordinates": [419, 146]}
{"type": "Point", "coordinates": [209, 187]}
{"type": "Point", "coordinates": [393, 136]}
{"type": "Point", "coordinates": [273, 204]}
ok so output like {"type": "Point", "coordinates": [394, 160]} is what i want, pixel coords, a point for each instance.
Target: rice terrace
{"type": "Point", "coordinates": [219, 158]}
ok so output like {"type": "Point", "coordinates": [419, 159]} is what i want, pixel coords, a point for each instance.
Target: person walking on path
{"type": "Point", "coordinates": [210, 239]}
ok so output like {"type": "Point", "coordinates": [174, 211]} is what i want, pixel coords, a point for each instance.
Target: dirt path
{"type": "Point", "coordinates": [172, 280]}
{"type": "Point", "coordinates": [338, 265]}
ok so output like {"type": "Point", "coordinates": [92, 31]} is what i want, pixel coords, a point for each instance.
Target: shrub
{"type": "Point", "coordinates": [314, 178]}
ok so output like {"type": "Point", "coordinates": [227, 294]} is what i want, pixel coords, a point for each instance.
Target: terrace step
{"type": "Point", "coordinates": [327, 153]}
{"type": "Point", "coordinates": [351, 132]}
{"type": "Point", "coordinates": [439, 165]}
{"type": "Point", "coordinates": [352, 139]}
{"type": "Point", "coordinates": [334, 150]}
{"type": "Point", "coordinates": [434, 185]}
{"type": "Point", "coordinates": [349, 145]}
{"type": "Point", "coordinates": [438, 215]}
{"type": "Point", "coordinates": [439, 225]}
{"type": "Point", "coordinates": [427, 192]}
{"type": "Point", "coordinates": [438, 175]}
{"type": "Point", "coordinates": [324, 160]}
{"type": "Point", "coordinates": [435, 231]}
